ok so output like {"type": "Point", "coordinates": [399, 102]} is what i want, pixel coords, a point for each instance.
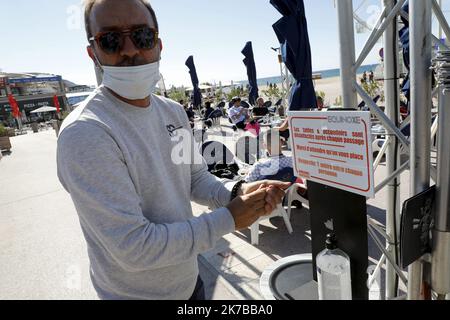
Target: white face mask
{"type": "Point", "coordinates": [133, 83]}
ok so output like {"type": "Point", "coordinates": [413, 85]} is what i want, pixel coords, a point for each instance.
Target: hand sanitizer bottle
{"type": "Point", "coordinates": [333, 272]}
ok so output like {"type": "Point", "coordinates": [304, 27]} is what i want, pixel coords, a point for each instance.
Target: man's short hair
{"type": "Point", "coordinates": [89, 4]}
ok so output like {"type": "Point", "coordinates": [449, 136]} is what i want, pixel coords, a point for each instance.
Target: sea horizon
{"type": "Point", "coordinates": [330, 73]}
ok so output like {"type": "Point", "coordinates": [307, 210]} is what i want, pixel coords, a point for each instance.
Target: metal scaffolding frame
{"type": "Point", "coordinates": [285, 79]}
{"type": "Point", "coordinates": [418, 147]}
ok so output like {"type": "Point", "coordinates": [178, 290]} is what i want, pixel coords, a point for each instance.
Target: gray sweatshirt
{"type": "Point", "coordinates": [134, 202]}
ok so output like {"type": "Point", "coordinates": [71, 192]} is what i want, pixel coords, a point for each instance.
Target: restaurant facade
{"type": "Point", "coordinates": [31, 91]}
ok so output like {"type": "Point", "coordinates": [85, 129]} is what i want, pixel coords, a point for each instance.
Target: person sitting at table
{"type": "Point", "coordinates": [208, 110]}
{"type": "Point", "coordinates": [238, 114]}
{"type": "Point", "coordinates": [275, 162]}
{"type": "Point", "coordinates": [284, 128]}
{"type": "Point", "coordinates": [189, 112]}
{"type": "Point", "coordinates": [260, 109]}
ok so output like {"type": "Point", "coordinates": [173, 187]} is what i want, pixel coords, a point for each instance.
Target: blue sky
{"type": "Point", "coordinates": [48, 36]}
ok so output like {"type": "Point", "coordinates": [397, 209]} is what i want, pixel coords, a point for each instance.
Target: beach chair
{"type": "Point", "coordinates": [221, 107]}
{"type": "Point", "coordinates": [362, 105]}
{"type": "Point", "coordinates": [294, 194]}
{"type": "Point", "coordinates": [221, 161]}
{"type": "Point", "coordinates": [245, 104]}
{"type": "Point", "coordinates": [216, 126]}
{"type": "Point", "coordinates": [378, 143]}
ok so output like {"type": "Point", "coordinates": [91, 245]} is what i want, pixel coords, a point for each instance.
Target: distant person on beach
{"type": "Point", "coordinates": [364, 77]}
{"type": "Point", "coordinates": [132, 193]}
{"type": "Point", "coordinates": [371, 76]}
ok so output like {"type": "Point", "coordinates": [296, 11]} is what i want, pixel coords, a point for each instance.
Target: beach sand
{"type": "Point", "coordinates": [331, 87]}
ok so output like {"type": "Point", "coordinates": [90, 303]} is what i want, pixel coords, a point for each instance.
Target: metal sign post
{"type": "Point", "coordinates": [421, 47]}
{"type": "Point", "coordinates": [392, 96]}
{"type": "Point", "coordinates": [418, 147]}
{"type": "Point", "coordinates": [440, 275]}
{"type": "Point", "coordinates": [347, 49]}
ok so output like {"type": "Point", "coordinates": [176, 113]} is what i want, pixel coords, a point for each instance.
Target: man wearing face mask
{"type": "Point", "coordinates": [115, 157]}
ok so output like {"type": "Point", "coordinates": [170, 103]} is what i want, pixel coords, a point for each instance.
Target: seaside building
{"type": "Point", "coordinates": [31, 91]}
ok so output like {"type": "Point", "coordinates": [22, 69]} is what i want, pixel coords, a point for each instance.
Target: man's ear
{"type": "Point", "coordinates": [160, 46]}
{"type": "Point", "coordinates": [91, 54]}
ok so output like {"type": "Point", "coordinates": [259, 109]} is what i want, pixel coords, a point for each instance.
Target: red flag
{"type": "Point", "coordinates": [56, 103]}
{"type": "Point", "coordinates": [14, 106]}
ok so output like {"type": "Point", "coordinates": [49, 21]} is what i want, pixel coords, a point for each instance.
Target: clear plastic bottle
{"type": "Point", "coordinates": [373, 284]}
{"type": "Point", "coordinates": [333, 272]}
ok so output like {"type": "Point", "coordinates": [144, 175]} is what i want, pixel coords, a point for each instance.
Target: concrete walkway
{"type": "Point", "coordinates": [43, 253]}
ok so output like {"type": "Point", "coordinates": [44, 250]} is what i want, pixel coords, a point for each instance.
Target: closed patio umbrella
{"type": "Point", "coordinates": [56, 104]}
{"type": "Point", "coordinates": [44, 109]}
{"type": "Point", "coordinates": [249, 62]}
{"type": "Point", "coordinates": [195, 83]}
{"type": "Point", "coordinates": [292, 33]}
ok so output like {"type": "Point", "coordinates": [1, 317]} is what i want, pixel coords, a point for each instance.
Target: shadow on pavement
{"type": "Point", "coordinates": [276, 242]}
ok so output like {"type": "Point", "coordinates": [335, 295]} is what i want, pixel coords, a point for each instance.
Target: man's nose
{"type": "Point", "coordinates": [128, 49]}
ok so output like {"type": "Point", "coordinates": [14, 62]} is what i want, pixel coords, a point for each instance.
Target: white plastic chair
{"type": "Point", "coordinates": [278, 212]}
{"type": "Point", "coordinates": [293, 195]}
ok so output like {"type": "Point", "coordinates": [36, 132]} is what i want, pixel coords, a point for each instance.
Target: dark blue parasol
{"type": "Point", "coordinates": [249, 62]}
{"type": "Point", "coordinates": [292, 33]}
{"type": "Point", "coordinates": [192, 70]}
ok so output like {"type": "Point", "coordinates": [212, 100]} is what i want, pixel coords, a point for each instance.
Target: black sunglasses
{"type": "Point", "coordinates": [111, 42]}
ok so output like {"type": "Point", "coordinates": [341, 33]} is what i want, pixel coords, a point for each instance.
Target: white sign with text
{"type": "Point", "coordinates": [334, 148]}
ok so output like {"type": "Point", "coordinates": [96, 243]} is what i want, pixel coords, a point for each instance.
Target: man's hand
{"type": "Point", "coordinates": [246, 209]}
{"type": "Point", "coordinates": [275, 192]}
